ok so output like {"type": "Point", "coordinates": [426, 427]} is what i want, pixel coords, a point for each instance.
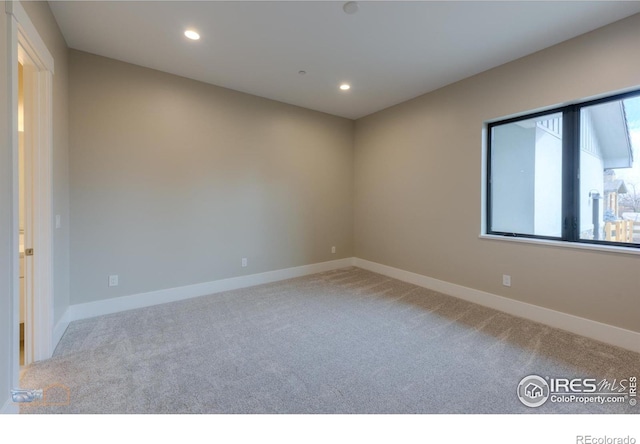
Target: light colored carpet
{"type": "Point", "coordinates": [346, 341]}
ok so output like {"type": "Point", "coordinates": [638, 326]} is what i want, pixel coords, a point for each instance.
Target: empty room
{"type": "Point", "coordinates": [320, 207]}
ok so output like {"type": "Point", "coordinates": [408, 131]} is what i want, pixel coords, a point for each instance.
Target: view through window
{"type": "Point", "coordinates": [570, 174]}
{"type": "Point", "coordinates": [610, 171]}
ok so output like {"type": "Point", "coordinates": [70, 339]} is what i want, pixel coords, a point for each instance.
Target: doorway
{"type": "Point", "coordinates": [30, 216]}
{"type": "Point", "coordinates": [21, 209]}
{"type": "Point", "coordinates": [30, 79]}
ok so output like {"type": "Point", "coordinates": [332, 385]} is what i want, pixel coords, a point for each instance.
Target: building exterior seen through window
{"type": "Point", "coordinates": [571, 174]}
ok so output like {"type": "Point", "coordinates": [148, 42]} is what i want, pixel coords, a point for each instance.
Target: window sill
{"type": "Point", "coordinates": [563, 244]}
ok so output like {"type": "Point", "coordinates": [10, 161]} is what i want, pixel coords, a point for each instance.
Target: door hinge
{"type": "Point", "coordinates": [28, 251]}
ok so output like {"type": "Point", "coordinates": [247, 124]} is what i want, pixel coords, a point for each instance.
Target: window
{"type": "Point", "coordinates": [570, 174]}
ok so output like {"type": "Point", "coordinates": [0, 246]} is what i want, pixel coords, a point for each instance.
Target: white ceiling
{"type": "Point", "coordinates": [389, 51]}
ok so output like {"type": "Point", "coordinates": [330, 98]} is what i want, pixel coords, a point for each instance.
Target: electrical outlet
{"type": "Point", "coordinates": [333, 250]}
{"type": "Point", "coordinates": [113, 280]}
{"type": "Point", "coordinates": [58, 223]}
{"type": "Point", "coordinates": [506, 280]}
{"type": "Point", "coordinates": [244, 261]}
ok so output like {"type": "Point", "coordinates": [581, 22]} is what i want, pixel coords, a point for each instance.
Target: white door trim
{"type": "Point", "coordinates": [30, 34]}
{"type": "Point", "coordinates": [25, 45]}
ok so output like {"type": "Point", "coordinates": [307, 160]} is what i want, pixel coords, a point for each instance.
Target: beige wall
{"type": "Point", "coordinates": [418, 182]}
{"type": "Point", "coordinates": [174, 181]}
{"type": "Point", "coordinates": [42, 18]}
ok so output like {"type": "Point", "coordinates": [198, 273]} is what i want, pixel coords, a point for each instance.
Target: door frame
{"type": "Point", "coordinates": [26, 46]}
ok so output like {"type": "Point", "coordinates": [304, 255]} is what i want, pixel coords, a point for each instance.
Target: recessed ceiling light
{"type": "Point", "coordinates": [302, 72]}
{"type": "Point", "coordinates": [190, 34]}
{"type": "Point", "coordinates": [350, 7]}
{"type": "Point", "coordinates": [345, 87]}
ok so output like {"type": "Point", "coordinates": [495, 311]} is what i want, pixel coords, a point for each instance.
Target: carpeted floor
{"type": "Point", "coordinates": [346, 341]}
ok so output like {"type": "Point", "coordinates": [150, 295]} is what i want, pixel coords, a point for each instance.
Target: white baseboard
{"type": "Point", "coordinates": [609, 334]}
{"type": "Point", "coordinates": [60, 328]}
{"type": "Point", "coordinates": [9, 407]}
{"type": "Point", "coordinates": [114, 305]}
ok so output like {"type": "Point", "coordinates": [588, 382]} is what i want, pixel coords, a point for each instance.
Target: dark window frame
{"type": "Point", "coordinates": [570, 172]}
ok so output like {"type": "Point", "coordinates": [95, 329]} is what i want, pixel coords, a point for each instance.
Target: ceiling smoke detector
{"type": "Point", "coordinates": [350, 7]}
